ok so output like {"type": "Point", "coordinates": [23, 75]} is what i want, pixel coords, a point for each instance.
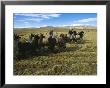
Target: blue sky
{"type": "Point", "coordinates": [36, 20]}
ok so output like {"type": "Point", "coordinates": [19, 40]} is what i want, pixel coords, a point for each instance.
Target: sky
{"type": "Point", "coordinates": [37, 20]}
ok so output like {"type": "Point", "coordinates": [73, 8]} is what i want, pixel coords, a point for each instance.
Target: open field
{"type": "Point", "coordinates": [76, 59]}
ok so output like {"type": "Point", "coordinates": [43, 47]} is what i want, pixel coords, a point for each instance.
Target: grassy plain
{"type": "Point", "coordinates": [76, 59]}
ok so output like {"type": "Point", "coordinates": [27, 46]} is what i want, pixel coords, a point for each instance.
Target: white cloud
{"type": "Point", "coordinates": [81, 25]}
{"type": "Point", "coordinates": [36, 17]}
{"type": "Point", "coordinates": [87, 20]}
{"type": "Point", "coordinates": [27, 14]}
{"type": "Point", "coordinates": [20, 20]}
{"type": "Point", "coordinates": [44, 25]}
{"type": "Point", "coordinates": [77, 25]}
{"type": "Point", "coordinates": [55, 15]}
{"type": "Point", "coordinates": [84, 22]}
{"type": "Point", "coordinates": [26, 22]}
{"type": "Point", "coordinates": [65, 25]}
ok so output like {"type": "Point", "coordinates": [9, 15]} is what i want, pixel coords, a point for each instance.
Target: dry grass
{"type": "Point", "coordinates": [77, 59]}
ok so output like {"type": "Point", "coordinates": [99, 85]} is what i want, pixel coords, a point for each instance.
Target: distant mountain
{"type": "Point", "coordinates": [74, 27]}
{"type": "Point", "coordinates": [62, 27]}
{"type": "Point", "coordinates": [85, 27]}
{"type": "Point", "coordinates": [48, 27]}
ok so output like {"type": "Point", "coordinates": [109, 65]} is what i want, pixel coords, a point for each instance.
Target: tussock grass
{"type": "Point", "coordinates": [76, 59]}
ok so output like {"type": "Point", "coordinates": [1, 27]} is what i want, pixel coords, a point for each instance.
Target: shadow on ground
{"type": "Point", "coordinates": [46, 52]}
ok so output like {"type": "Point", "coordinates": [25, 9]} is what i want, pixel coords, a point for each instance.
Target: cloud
{"type": "Point", "coordinates": [81, 25]}
{"type": "Point", "coordinates": [44, 25]}
{"type": "Point", "coordinates": [38, 14]}
{"type": "Point", "coordinates": [77, 25]}
{"type": "Point", "coordinates": [55, 15]}
{"type": "Point", "coordinates": [41, 15]}
{"type": "Point", "coordinates": [27, 14]}
{"type": "Point", "coordinates": [19, 20]}
{"type": "Point", "coordinates": [34, 17]}
{"type": "Point", "coordinates": [87, 20]}
{"type": "Point", "coordinates": [63, 25]}
{"type": "Point", "coordinates": [48, 16]}
{"type": "Point", "coordinates": [26, 22]}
